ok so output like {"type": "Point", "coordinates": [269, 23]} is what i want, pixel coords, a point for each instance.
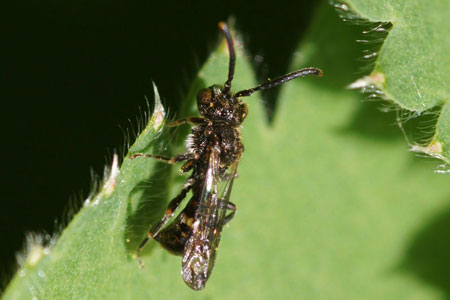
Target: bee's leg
{"type": "Point", "coordinates": [169, 160]}
{"type": "Point", "coordinates": [230, 206]}
{"type": "Point", "coordinates": [173, 205]}
{"type": "Point", "coordinates": [187, 166]}
{"type": "Point", "coordinates": [170, 210]}
{"type": "Point", "coordinates": [142, 246]}
{"type": "Point", "coordinates": [190, 120]}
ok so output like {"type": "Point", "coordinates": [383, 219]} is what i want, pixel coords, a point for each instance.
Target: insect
{"type": "Point", "coordinates": [213, 151]}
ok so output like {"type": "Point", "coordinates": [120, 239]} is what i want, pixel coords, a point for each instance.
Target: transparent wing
{"type": "Point", "coordinates": [200, 249]}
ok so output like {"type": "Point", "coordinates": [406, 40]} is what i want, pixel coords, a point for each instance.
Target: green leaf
{"type": "Point", "coordinates": [330, 204]}
{"type": "Point", "coordinates": [413, 66]}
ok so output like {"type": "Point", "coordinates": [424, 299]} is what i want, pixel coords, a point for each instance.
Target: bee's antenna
{"type": "Point", "coordinates": [226, 32]}
{"type": "Point", "coordinates": [280, 80]}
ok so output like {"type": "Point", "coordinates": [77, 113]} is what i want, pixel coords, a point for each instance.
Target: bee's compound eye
{"type": "Point", "coordinates": [204, 96]}
{"type": "Point", "coordinates": [244, 110]}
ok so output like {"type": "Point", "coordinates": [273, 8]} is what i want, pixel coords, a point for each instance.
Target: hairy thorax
{"type": "Point", "coordinates": [227, 137]}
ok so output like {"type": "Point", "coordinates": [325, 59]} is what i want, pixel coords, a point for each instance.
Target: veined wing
{"type": "Point", "coordinates": [200, 250]}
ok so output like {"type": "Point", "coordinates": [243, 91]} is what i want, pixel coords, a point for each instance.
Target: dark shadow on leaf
{"type": "Point", "coordinates": [336, 51]}
{"type": "Point", "coordinates": [272, 32]}
{"type": "Point", "coordinates": [428, 256]}
{"type": "Point", "coordinates": [370, 122]}
{"type": "Point", "coordinates": [146, 203]}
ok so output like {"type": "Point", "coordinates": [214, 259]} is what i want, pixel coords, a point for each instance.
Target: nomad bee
{"type": "Point", "coordinates": [213, 151]}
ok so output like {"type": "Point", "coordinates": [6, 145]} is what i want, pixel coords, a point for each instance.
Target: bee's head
{"type": "Point", "coordinates": [216, 105]}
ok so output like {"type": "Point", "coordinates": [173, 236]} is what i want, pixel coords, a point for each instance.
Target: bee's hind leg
{"type": "Point", "coordinates": [170, 210]}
